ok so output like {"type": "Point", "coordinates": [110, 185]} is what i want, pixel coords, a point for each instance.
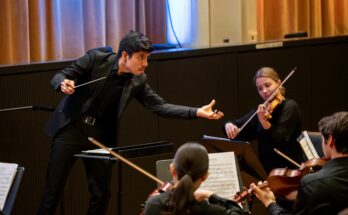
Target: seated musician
{"type": "Point", "coordinates": [276, 125]}
{"type": "Point", "coordinates": [324, 191]}
{"type": "Point", "coordinates": [189, 169]}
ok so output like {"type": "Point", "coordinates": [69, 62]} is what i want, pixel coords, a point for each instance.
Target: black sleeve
{"type": "Point", "coordinates": [74, 71]}
{"type": "Point", "coordinates": [275, 209]}
{"type": "Point", "coordinates": [231, 207]}
{"type": "Point", "coordinates": [289, 120]}
{"type": "Point", "coordinates": [153, 205]}
{"type": "Point", "coordinates": [153, 102]}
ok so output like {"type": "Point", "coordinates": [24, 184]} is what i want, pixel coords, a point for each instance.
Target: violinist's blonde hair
{"type": "Point", "coordinates": [269, 72]}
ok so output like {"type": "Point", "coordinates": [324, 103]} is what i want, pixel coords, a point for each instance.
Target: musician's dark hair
{"type": "Point", "coordinates": [191, 162]}
{"type": "Point", "coordinates": [134, 42]}
{"type": "Point", "coordinates": [336, 125]}
{"type": "Point", "coordinates": [271, 73]}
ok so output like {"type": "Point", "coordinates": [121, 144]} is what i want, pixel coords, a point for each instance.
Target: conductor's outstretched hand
{"type": "Point", "coordinates": [207, 111]}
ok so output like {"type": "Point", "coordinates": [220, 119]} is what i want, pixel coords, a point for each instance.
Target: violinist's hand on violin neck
{"type": "Point", "coordinates": [263, 193]}
{"type": "Point", "coordinates": [231, 130]}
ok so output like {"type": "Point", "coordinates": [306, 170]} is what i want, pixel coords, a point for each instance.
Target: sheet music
{"type": "Point", "coordinates": [223, 175]}
{"type": "Point", "coordinates": [310, 144]}
{"type": "Point", "coordinates": [7, 174]}
{"type": "Point", "coordinates": [98, 151]}
{"type": "Point", "coordinates": [307, 146]}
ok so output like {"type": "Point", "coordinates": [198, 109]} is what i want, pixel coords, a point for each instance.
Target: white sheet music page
{"type": "Point", "coordinates": [223, 176]}
{"type": "Point", "coordinates": [7, 174]}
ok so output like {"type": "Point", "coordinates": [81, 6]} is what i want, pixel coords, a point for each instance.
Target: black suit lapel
{"type": "Point", "coordinates": [105, 70]}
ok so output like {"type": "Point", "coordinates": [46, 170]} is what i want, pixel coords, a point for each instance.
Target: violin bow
{"type": "Point", "coordinates": [121, 158]}
{"type": "Point", "coordinates": [269, 98]}
{"type": "Point", "coordinates": [287, 157]}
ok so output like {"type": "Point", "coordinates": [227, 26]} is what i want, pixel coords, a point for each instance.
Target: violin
{"type": "Point", "coordinates": [285, 182]}
{"type": "Point", "coordinates": [273, 104]}
{"type": "Point", "coordinates": [239, 197]}
{"type": "Point", "coordinates": [165, 187]}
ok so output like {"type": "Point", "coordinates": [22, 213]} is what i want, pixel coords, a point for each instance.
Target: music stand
{"type": "Point", "coordinates": [247, 159]}
{"type": "Point", "coordinates": [134, 151]}
{"type": "Point", "coordinates": [13, 191]}
{"type": "Point", "coordinates": [250, 168]}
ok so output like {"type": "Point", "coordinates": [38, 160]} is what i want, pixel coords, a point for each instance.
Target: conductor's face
{"type": "Point", "coordinates": [137, 63]}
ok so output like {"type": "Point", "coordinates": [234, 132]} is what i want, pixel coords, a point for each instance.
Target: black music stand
{"type": "Point", "coordinates": [247, 159]}
{"type": "Point", "coordinates": [10, 200]}
{"type": "Point", "coordinates": [141, 150]}
{"type": "Point", "coordinates": [250, 168]}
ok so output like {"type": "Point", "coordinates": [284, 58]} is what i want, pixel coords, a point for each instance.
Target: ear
{"type": "Point", "coordinates": [172, 170]}
{"type": "Point", "coordinates": [124, 54]}
{"type": "Point", "coordinates": [331, 141]}
{"type": "Point", "coordinates": [205, 177]}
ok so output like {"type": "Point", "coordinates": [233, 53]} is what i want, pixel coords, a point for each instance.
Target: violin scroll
{"type": "Point", "coordinates": [239, 197]}
{"type": "Point", "coordinates": [165, 187]}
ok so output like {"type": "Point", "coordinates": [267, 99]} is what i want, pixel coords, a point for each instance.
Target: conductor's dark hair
{"type": "Point", "coordinates": [191, 162]}
{"type": "Point", "coordinates": [336, 125]}
{"type": "Point", "coordinates": [134, 42]}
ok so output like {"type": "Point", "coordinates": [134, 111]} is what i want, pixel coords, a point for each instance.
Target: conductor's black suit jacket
{"type": "Point", "coordinates": [97, 64]}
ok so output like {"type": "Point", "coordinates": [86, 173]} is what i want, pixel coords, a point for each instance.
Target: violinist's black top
{"type": "Point", "coordinates": [216, 205]}
{"type": "Point", "coordinates": [322, 192]}
{"type": "Point", "coordinates": [283, 133]}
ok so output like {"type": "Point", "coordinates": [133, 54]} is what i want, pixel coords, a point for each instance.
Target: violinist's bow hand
{"type": "Point", "coordinates": [208, 113]}
{"type": "Point", "coordinates": [231, 130]}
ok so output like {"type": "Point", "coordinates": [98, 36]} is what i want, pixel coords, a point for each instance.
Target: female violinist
{"type": "Point", "coordinates": [324, 191]}
{"type": "Point", "coordinates": [189, 169]}
{"type": "Point", "coordinates": [277, 124]}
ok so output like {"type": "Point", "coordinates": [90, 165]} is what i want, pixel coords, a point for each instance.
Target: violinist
{"type": "Point", "coordinates": [276, 125]}
{"type": "Point", "coordinates": [189, 169]}
{"type": "Point", "coordinates": [324, 191]}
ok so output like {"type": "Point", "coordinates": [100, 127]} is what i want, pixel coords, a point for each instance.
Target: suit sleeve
{"type": "Point", "coordinates": [231, 208]}
{"type": "Point", "coordinates": [73, 71]}
{"type": "Point", "coordinates": [153, 102]}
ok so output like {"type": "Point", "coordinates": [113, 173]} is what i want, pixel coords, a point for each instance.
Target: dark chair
{"type": "Point", "coordinates": [13, 192]}
{"type": "Point", "coordinates": [102, 49]}
{"type": "Point", "coordinates": [162, 170]}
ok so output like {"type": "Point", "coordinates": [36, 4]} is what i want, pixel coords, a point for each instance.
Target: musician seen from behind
{"type": "Point", "coordinates": [276, 125]}
{"type": "Point", "coordinates": [189, 169]}
{"type": "Point", "coordinates": [93, 106]}
{"type": "Point", "coordinates": [324, 191]}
